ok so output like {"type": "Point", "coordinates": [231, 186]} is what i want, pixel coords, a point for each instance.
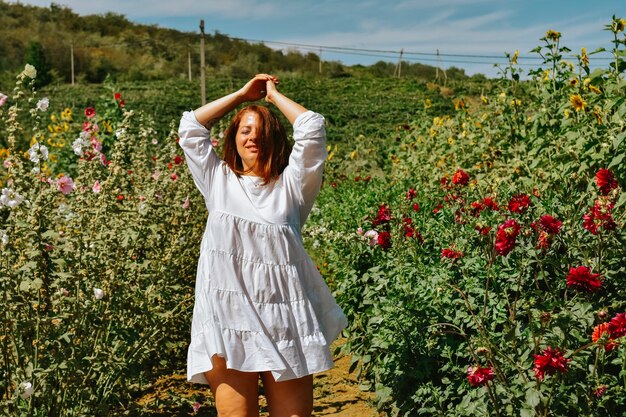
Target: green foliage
{"type": "Point", "coordinates": [419, 319]}
{"type": "Point", "coordinates": [93, 275]}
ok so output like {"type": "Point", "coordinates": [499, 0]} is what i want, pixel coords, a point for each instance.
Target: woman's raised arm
{"type": "Point", "coordinates": [254, 90]}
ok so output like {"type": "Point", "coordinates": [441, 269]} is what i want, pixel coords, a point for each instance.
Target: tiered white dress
{"type": "Point", "coordinates": [260, 302]}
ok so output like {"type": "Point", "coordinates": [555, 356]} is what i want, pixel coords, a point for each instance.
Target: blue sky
{"type": "Point", "coordinates": [466, 27]}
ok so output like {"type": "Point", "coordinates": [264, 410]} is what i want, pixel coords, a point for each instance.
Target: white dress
{"type": "Point", "coordinates": [260, 302]}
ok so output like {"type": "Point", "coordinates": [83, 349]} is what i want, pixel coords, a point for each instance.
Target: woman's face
{"type": "Point", "coordinates": [246, 139]}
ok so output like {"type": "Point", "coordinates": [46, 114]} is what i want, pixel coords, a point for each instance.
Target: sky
{"type": "Point", "coordinates": [420, 28]}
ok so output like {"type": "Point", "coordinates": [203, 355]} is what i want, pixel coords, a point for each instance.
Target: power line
{"type": "Point", "coordinates": [366, 52]}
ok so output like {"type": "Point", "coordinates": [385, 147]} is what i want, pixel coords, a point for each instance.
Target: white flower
{"type": "Point", "coordinates": [77, 146]}
{"type": "Point", "coordinates": [4, 237]}
{"type": "Point", "coordinates": [98, 293]}
{"type": "Point", "coordinates": [36, 152]}
{"type": "Point", "coordinates": [36, 169]}
{"type": "Point", "coordinates": [66, 211]}
{"type": "Point", "coordinates": [29, 71]}
{"type": "Point", "coordinates": [27, 389]}
{"type": "Point", "coordinates": [42, 105]}
{"type": "Point", "coordinates": [10, 198]}
{"type": "Point", "coordinates": [3, 99]}
{"type": "Point", "coordinates": [119, 133]}
{"type": "Point", "coordinates": [33, 155]}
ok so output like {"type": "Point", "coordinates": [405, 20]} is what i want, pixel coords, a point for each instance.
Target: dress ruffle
{"type": "Point", "coordinates": [260, 302]}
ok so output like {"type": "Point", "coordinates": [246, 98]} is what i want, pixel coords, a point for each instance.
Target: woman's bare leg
{"type": "Point", "coordinates": [292, 398]}
{"type": "Point", "coordinates": [236, 393]}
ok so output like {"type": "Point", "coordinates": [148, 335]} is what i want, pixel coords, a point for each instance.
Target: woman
{"type": "Point", "coordinates": [261, 307]}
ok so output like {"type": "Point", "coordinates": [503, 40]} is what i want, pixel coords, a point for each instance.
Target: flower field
{"type": "Point", "coordinates": [476, 242]}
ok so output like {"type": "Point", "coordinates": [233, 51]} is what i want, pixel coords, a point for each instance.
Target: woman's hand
{"type": "Point", "coordinates": [258, 87]}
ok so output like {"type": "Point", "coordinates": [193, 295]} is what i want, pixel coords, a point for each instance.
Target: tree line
{"type": "Point", "coordinates": [111, 45]}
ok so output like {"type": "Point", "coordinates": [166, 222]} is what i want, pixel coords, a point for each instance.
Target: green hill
{"type": "Point", "coordinates": [110, 44]}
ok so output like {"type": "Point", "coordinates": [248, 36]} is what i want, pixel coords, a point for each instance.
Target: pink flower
{"type": "Point", "coordinates": [186, 203]}
{"type": "Point", "coordinates": [174, 176]}
{"type": "Point", "coordinates": [196, 407]}
{"type": "Point", "coordinates": [90, 112]}
{"type": "Point", "coordinates": [65, 185]}
{"type": "Point", "coordinates": [372, 236]}
{"type": "Point", "coordinates": [359, 231]}
{"type": "Point", "coordinates": [96, 187]}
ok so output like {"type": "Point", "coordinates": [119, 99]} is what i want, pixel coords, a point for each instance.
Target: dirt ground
{"type": "Point", "coordinates": [336, 393]}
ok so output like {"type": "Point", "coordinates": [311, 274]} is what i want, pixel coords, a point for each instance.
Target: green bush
{"type": "Point", "coordinates": [97, 262]}
{"type": "Point", "coordinates": [463, 298]}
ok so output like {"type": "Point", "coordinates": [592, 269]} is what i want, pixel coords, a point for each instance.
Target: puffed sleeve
{"type": "Point", "coordinates": [306, 162]}
{"type": "Point", "coordinates": [195, 140]}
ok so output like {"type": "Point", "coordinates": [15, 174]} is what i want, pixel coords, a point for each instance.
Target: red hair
{"type": "Point", "coordinates": [274, 148]}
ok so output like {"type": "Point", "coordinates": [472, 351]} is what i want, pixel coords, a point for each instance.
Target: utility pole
{"type": "Point", "coordinates": [202, 68]}
{"type": "Point", "coordinates": [398, 69]}
{"type": "Point", "coordinates": [439, 63]}
{"type": "Point", "coordinates": [189, 62]}
{"type": "Point", "coordinates": [320, 60]}
{"type": "Point", "coordinates": [72, 59]}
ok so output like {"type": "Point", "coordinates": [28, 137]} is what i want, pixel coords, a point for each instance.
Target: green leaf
{"type": "Point", "coordinates": [25, 285]}
{"type": "Point", "coordinates": [533, 397]}
{"type": "Point", "coordinates": [617, 160]}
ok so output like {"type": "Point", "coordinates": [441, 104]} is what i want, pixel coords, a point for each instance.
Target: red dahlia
{"type": "Point", "coordinates": [549, 362]}
{"type": "Point", "coordinates": [477, 375]}
{"type": "Point", "coordinates": [451, 253]}
{"type": "Point", "coordinates": [383, 216]}
{"type": "Point", "coordinates": [506, 235]}
{"type": "Point", "coordinates": [90, 112]}
{"type": "Point", "coordinates": [606, 181]}
{"type": "Point", "coordinates": [599, 216]}
{"type": "Point", "coordinates": [460, 178]}
{"type": "Point", "coordinates": [617, 326]}
{"type": "Point", "coordinates": [490, 203]}
{"type": "Point", "coordinates": [581, 278]}
{"type": "Point", "coordinates": [519, 203]}
{"type": "Point", "coordinates": [384, 240]}
{"type": "Point", "coordinates": [411, 194]}
{"type": "Point", "coordinates": [550, 224]}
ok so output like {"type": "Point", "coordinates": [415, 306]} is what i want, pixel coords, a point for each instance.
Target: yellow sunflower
{"type": "Point", "coordinates": [553, 35]}
{"type": "Point", "coordinates": [577, 102]}
{"type": "Point", "coordinates": [67, 114]}
{"type": "Point", "coordinates": [584, 58]}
